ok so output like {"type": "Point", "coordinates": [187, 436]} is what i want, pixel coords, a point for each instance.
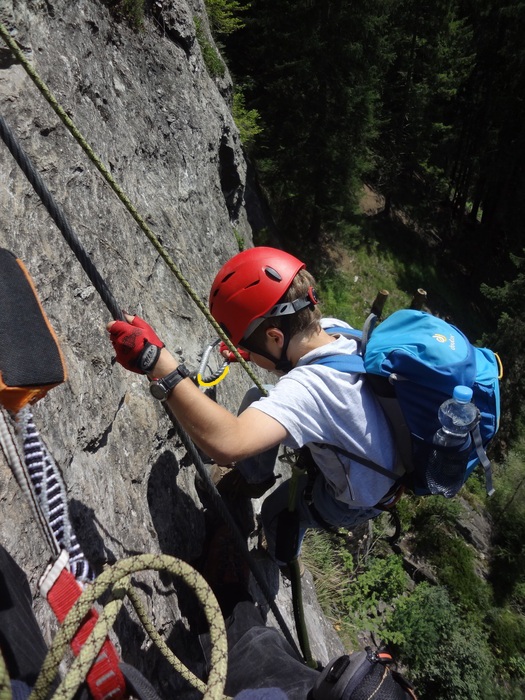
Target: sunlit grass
{"type": "Point", "coordinates": [376, 254]}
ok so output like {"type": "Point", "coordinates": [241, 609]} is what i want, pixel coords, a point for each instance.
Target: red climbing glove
{"type": "Point", "coordinates": [228, 354]}
{"type": "Point", "coordinates": [136, 344]}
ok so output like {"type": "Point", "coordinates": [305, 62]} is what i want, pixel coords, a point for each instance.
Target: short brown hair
{"type": "Point", "coordinates": [306, 320]}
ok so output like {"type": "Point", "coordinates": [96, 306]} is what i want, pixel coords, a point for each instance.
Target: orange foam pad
{"type": "Point", "coordinates": [31, 361]}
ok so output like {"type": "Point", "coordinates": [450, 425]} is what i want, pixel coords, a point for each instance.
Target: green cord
{"type": "Point", "coordinates": [117, 578]}
{"type": "Point", "coordinates": [46, 92]}
{"type": "Point", "coordinates": [5, 683]}
{"type": "Point", "coordinates": [295, 574]}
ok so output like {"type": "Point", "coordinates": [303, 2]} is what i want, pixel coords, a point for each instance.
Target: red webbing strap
{"type": "Point", "coordinates": [104, 679]}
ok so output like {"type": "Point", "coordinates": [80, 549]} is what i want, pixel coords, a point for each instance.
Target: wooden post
{"type": "Point", "coordinates": [379, 303]}
{"type": "Point", "coordinates": [419, 299]}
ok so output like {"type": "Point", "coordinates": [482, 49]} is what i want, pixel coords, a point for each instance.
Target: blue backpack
{"type": "Point", "coordinates": [413, 361]}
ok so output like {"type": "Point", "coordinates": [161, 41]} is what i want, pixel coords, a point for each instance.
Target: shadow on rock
{"type": "Point", "coordinates": [180, 528]}
{"type": "Point", "coordinates": [177, 520]}
{"type": "Point", "coordinates": [93, 545]}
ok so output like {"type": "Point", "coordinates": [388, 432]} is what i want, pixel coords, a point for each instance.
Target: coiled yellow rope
{"type": "Point", "coordinates": [5, 686]}
{"type": "Point", "coordinates": [116, 577]}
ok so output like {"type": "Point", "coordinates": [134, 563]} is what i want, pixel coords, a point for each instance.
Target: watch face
{"type": "Point", "coordinates": [161, 388]}
{"type": "Point", "coordinates": [157, 390]}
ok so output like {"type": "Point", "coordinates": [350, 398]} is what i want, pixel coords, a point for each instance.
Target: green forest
{"type": "Point", "coordinates": [421, 104]}
{"type": "Point", "coordinates": [416, 107]}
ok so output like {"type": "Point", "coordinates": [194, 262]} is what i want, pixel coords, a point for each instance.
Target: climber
{"type": "Point", "coordinates": [265, 301]}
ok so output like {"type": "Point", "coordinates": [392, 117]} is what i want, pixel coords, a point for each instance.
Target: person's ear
{"type": "Point", "coordinates": [275, 337]}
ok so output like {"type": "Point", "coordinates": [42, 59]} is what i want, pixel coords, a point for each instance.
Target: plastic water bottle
{"type": "Point", "coordinates": [448, 461]}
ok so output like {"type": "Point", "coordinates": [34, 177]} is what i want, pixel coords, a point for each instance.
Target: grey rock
{"type": "Point", "coordinates": [146, 104]}
{"type": "Point", "coordinates": [475, 526]}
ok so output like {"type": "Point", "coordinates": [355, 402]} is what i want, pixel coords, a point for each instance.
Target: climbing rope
{"type": "Point", "coordinates": [5, 683]}
{"type": "Point", "coordinates": [185, 439]}
{"type": "Point", "coordinates": [67, 121]}
{"type": "Point", "coordinates": [58, 217]}
{"type": "Point", "coordinates": [116, 578]}
{"type": "Point", "coordinates": [101, 287]}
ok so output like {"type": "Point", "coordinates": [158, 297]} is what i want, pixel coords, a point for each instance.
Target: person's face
{"type": "Point", "coordinates": [273, 344]}
{"type": "Point", "coordinates": [262, 362]}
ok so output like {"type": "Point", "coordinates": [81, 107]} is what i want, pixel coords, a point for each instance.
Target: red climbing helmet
{"type": "Point", "coordinates": [248, 286]}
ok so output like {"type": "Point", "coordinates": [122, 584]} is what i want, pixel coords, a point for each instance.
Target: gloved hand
{"type": "Point", "coordinates": [228, 354]}
{"type": "Point", "coordinates": [136, 344]}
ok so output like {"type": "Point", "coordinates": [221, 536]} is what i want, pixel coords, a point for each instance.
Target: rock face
{"type": "Point", "coordinates": [146, 104]}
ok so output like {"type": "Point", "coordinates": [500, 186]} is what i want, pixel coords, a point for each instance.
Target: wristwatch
{"type": "Point", "coordinates": [161, 388]}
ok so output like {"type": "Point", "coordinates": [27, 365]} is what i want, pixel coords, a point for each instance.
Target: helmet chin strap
{"type": "Point", "coordinates": [284, 312]}
{"type": "Point", "coordinates": [283, 364]}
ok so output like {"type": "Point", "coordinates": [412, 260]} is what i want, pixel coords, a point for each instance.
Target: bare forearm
{"type": "Point", "coordinates": [220, 434]}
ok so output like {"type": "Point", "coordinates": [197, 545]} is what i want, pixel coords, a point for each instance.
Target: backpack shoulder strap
{"type": "Point", "coordinates": [352, 333]}
{"type": "Point", "coordinates": [352, 364]}
{"type": "Point", "coordinates": [385, 394]}
{"type": "Point", "coordinates": [344, 363]}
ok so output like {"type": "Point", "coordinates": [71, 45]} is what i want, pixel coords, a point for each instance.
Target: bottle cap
{"type": "Point", "coordinates": [463, 394]}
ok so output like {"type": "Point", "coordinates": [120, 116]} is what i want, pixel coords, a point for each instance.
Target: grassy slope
{"type": "Point", "coordinates": [396, 254]}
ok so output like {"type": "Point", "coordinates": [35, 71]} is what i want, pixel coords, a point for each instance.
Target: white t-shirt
{"type": "Point", "coordinates": [320, 404]}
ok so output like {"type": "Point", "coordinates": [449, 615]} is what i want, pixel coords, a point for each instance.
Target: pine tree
{"type": "Point", "coordinates": [431, 57]}
{"type": "Point", "coordinates": [310, 69]}
{"type": "Point", "coordinates": [509, 340]}
{"type": "Point", "coordinates": [486, 175]}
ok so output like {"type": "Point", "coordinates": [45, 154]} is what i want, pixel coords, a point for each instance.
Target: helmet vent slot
{"type": "Point", "coordinates": [272, 274]}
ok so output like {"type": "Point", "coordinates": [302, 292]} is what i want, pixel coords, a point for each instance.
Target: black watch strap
{"type": "Point", "coordinates": [162, 388]}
